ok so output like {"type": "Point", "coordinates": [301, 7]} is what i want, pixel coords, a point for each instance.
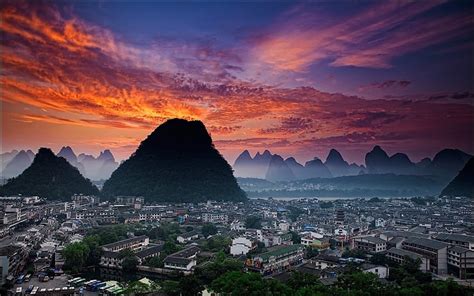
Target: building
{"type": "Point", "coordinates": [279, 259]}
{"type": "Point", "coordinates": [242, 245]}
{"type": "Point", "coordinates": [435, 251]}
{"type": "Point", "coordinates": [340, 217]}
{"type": "Point", "coordinates": [12, 261]}
{"type": "Point", "coordinates": [379, 270]}
{"type": "Point", "coordinates": [369, 244]}
{"type": "Point", "coordinates": [187, 237]}
{"type": "Point", "coordinates": [184, 260]}
{"type": "Point", "coordinates": [461, 262]}
{"type": "Point", "coordinates": [399, 256]}
{"type": "Point", "coordinates": [112, 259]}
{"type": "Point", "coordinates": [460, 240]}
{"type": "Point", "coordinates": [215, 218]}
{"type": "Point", "coordinates": [324, 261]}
{"type": "Point", "coordinates": [134, 244]}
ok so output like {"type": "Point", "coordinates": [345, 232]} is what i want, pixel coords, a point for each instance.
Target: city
{"type": "Point", "coordinates": [154, 244]}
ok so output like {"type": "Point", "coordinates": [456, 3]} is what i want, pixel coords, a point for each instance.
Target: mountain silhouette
{"type": "Point", "coordinates": [316, 169]}
{"type": "Point", "coordinates": [49, 176]}
{"type": "Point", "coordinates": [463, 183]}
{"type": "Point", "coordinates": [176, 162]}
{"type": "Point", "coordinates": [67, 153]}
{"type": "Point", "coordinates": [278, 170]}
{"type": "Point", "coordinates": [448, 162]}
{"type": "Point", "coordinates": [18, 164]}
{"type": "Point", "coordinates": [339, 167]}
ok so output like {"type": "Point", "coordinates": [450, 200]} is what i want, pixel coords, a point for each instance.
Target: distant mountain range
{"type": "Point", "coordinates": [272, 167]}
{"type": "Point", "coordinates": [49, 176]}
{"type": "Point", "coordinates": [15, 162]}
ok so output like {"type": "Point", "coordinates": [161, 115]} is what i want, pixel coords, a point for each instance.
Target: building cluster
{"type": "Point", "coordinates": [270, 236]}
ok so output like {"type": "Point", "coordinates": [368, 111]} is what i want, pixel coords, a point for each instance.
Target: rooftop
{"type": "Point", "coordinates": [433, 244]}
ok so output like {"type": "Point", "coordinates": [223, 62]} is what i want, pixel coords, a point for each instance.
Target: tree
{"type": "Point", "coordinates": [129, 263]}
{"type": "Point", "coordinates": [190, 286]}
{"type": "Point", "coordinates": [76, 255]}
{"type": "Point", "coordinates": [253, 222]}
{"type": "Point", "coordinates": [208, 229]}
{"type": "Point", "coordinates": [295, 238]}
{"type": "Point", "coordinates": [171, 288]}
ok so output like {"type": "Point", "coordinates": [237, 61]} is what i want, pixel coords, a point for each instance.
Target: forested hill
{"type": "Point", "coordinates": [51, 177]}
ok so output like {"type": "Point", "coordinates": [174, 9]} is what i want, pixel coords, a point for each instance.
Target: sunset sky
{"type": "Point", "coordinates": [295, 78]}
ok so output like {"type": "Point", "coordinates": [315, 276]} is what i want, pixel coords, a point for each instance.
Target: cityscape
{"type": "Point", "coordinates": [214, 148]}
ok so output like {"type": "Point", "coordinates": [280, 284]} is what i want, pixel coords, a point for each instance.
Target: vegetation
{"type": "Point", "coordinates": [208, 229]}
{"type": "Point", "coordinates": [81, 254]}
{"type": "Point", "coordinates": [51, 177]}
{"type": "Point", "coordinates": [176, 162]}
{"type": "Point", "coordinates": [253, 222]}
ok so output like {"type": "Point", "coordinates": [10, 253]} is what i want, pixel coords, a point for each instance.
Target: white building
{"type": "Point", "coordinates": [242, 245]}
{"type": "Point", "coordinates": [379, 270]}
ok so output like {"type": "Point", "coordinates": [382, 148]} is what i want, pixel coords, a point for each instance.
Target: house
{"type": "Point", "coordinates": [187, 237]}
{"type": "Point", "coordinates": [278, 259]}
{"type": "Point", "coordinates": [369, 244]}
{"type": "Point", "coordinates": [242, 245]}
{"type": "Point", "coordinates": [379, 270]}
{"type": "Point", "coordinates": [237, 225]}
{"type": "Point", "coordinates": [323, 261]}
{"type": "Point", "coordinates": [184, 260]}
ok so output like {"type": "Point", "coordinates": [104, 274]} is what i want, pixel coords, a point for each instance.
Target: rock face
{"type": "Point", "coordinates": [176, 162]}
{"type": "Point", "coordinates": [463, 183]}
{"type": "Point", "coordinates": [49, 176]}
{"type": "Point", "coordinates": [18, 164]}
{"type": "Point", "coordinates": [278, 170]}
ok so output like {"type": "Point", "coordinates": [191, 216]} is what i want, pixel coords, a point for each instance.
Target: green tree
{"type": "Point", "coordinates": [295, 238]}
{"type": "Point", "coordinates": [76, 255]}
{"type": "Point", "coordinates": [208, 229]}
{"type": "Point", "coordinates": [129, 264]}
{"type": "Point", "coordinates": [253, 222]}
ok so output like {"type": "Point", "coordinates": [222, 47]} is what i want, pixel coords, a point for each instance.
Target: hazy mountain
{"type": "Point", "coordinates": [176, 162]}
{"type": "Point", "coordinates": [316, 169]}
{"type": "Point", "coordinates": [99, 168]}
{"type": "Point", "coordinates": [278, 170]}
{"type": "Point", "coordinates": [339, 167]}
{"type": "Point", "coordinates": [67, 153]}
{"type": "Point", "coordinates": [401, 164]}
{"type": "Point", "coordinates": [377, 161]}
{"type": "Point", "coordinates": [463, 183]}
{"type": "Point", "coordinates": [6, 157]}
{"type": "Point", "coordinates": [49, 176]}
{"type": "Point", "coordinates": [243, 165]}
{"type": "Point", "coordinates": [386, 185]}
{"type": "Point", "coordinates": [18, 164]}
{"type": "Point", "coordinates": [297, 168]}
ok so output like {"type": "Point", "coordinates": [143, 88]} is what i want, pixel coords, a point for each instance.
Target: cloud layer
{"type": "Point", "coordinates": [66, 74]}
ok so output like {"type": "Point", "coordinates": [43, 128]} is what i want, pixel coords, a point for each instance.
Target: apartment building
{"type": "Point", "coordinates": [399, 256]}
{"type": "Point", "coordinates": [460, 240]}
{"type": "Point", "coordinates": [435, 251]}
{"type": "Point", "coordinates": [184, 260]}
{"type": "Point", "coordinates": [278, 259]}
{"type": "Point", "coordinates": [134, 244]}
{"type": "Point", "coordinates": [369, 244]}
{"type": "Point", "coordinates": [242, 245]}
{"type": "Point", "coordinates": [215, 218]}
{"type": "Point", "coordinates": [461, 262]}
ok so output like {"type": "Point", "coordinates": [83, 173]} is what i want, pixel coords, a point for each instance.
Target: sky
{"type": "Point", "coordinates": [297, 78]}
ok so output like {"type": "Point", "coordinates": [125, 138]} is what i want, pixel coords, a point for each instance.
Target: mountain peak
{"type": "Point", "coordinates": [68, 154]}
{"type": "Point", "coordinates": [334, 157]}
{"type": "Point", "coordinates": [49, 176]}
{"type": "Point", "coordinates": [106, 155]}
{"type": "Point", "coordinates": [176, 162]}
